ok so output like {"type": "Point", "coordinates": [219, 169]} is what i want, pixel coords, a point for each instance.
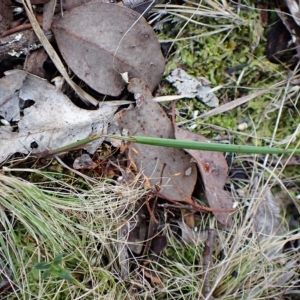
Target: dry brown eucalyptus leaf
{"type": "Point", "coordinates": [88, 37]}
{"type": "Point", "coordinates": [178, 173]}
{"type": "Point", "coordinates": [70, 4]}
{"type": "Point", "coordinates": [214, 169]}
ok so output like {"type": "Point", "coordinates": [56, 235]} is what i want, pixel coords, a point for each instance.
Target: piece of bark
{"type": "Point", "coordinates": [17, 44]}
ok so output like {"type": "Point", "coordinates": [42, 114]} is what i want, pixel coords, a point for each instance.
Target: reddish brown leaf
{"type": "Point", "coordinates": [178, 173]}
{"type": "Point", "coordinates": [88, 37]}
{"type": "Point", "coordinates": [214, 169]}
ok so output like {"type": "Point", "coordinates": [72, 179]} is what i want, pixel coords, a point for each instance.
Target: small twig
{"type": "Point", "coordinates": [207, 254]}
{"type": "Point", "coordinates": [16, 29]}
{"type": "Point", "coordinates": [179, 205]}
{"type": "Point", "coordinates": [173, 115]}
{"type": "Point", "coordinates": [150, 210]}
{"type": "Point", "coordinates": [151, 227]}
{"type": "Point", "coordinates": [194, 206]}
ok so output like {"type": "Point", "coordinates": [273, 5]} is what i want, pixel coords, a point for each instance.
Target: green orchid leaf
{"type": "Point", "coordinates": [57, 259]}
{"type": "Point", "coordinates": [46, 274]}
{"type": "Point", "coordinates": [42, 266]}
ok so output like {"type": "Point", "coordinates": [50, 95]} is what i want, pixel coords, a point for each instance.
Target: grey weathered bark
{"type": "Point", "coordinates": [20, 43]}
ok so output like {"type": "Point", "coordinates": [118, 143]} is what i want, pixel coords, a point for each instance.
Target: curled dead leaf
{"type": "Point", "coordinates": [213, 168]}
{"type": "Point", "coordinates": [172, 168]}
{"type": "Point", "coordinates": [52, 120]}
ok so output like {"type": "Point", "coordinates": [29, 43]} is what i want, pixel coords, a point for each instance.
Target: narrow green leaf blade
{"type": "Point", "coordinates": [206, 146]}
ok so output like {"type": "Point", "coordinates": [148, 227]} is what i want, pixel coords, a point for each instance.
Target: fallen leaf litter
{"type": "Point", "coordinates": [100, 57]}
{"type": "Point", "coordinates": [124, 56]}
{"type": "Point", "coordinates": [171, 171]}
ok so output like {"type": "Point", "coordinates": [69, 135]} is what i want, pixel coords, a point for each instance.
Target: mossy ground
{"type": "Point", "coordinates": [216, 55]}
{"type": "Point", "coordinates": [234, 59]}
